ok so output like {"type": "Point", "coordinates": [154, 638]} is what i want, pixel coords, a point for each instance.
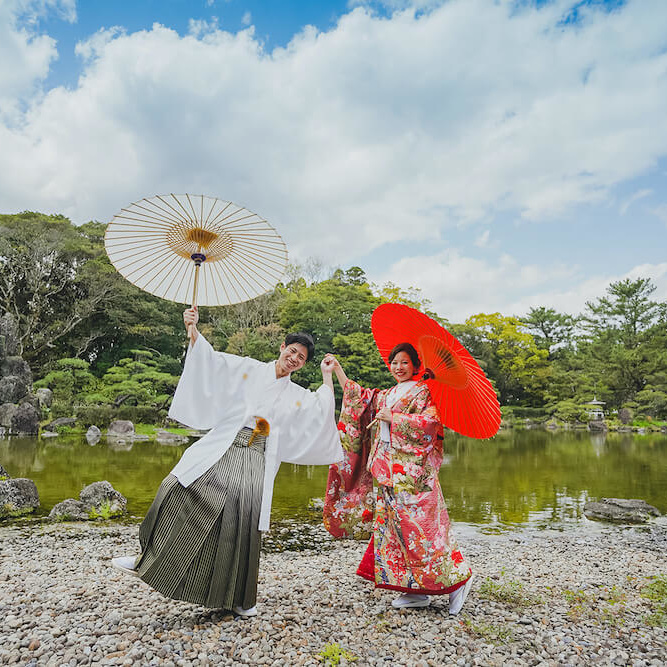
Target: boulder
{"type": "Point", "coordinates": [12, 389]}
{"type": "Point", "coordinates": [316, 504]}
{"type": "Point", "coordinates": [93, 435]}
{"type": "Point", "coordinates": [44, 396]}
{"type": "Point", "coordinates": [69, 510]}
{"type": "Point", "coordinates": [7, 411]}
{"type": "Point", "coordinates": [17, 367]}
{"type": "Point", "coordinates": [18, 496]}
{"type": "Point", "coordinates": [61, 421]}
{"type": "Point", "coordinates": [25, 420]}
{"type": "Point", "coordinates": [168, 438]}
{"type": "Point", "coordinates": [3, 473]}
{"type": "Point", "coordinates": [121, 428]}
{"type": "Point", "coordinates": [33, 400]}
{"type": "Point", "coordinates": [9, 330]}
{"type": "Point", "coordinates": [620, 510]}
{"type": "Point", "coordinates": [103, 499]}
{"type": "Point", "coordinates": [597, 425]}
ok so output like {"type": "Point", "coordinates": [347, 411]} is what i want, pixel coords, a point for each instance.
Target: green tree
{"type": "Point", "coordinates": [623, 341]}
{"type": "Point", "coordinates": [70, 381]}
{"type": "Point", "coordinates": [361, 360]}
{"type": "Point", "coordinates": [261, 343]}
{"type": "Point", "coordinates": [512, 360]}
{"type": "Point", "coordinates": [413, 297]}
{"type": "Point", "coordinates": [325, 310]}
{"type": "Point", "coordinates": [136, 380]}
{"type": "Point", "coordinates": [51, 280]}
{"type": "Point", "coordinates": [550, 329]}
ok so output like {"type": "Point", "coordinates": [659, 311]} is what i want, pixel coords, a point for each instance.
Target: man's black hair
{"type": "Point", "coordinates": [304, 339]}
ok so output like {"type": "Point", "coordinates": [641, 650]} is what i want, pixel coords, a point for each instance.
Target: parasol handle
{"type": "Point", "coordinates": [197, 258]}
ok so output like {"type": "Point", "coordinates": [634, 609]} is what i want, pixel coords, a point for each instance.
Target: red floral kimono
{"type": "Point", "coordinates": [410, 549]}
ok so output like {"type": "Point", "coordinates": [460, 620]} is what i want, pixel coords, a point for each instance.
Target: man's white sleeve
{"type": "Point", "coordinates": [210, 380]}
{"type": "Point", "coordinates": [312, 436]}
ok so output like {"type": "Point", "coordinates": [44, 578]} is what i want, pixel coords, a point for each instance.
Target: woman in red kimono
{"type": "Point", "coordinates": [411, 550]}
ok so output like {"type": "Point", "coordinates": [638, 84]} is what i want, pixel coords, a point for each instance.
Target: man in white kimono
{"type": "Point", "coordinates": [201, 537]}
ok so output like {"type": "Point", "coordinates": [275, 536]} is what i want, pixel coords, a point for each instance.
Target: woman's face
{"type": "Point", "coordinates": [401, 367]}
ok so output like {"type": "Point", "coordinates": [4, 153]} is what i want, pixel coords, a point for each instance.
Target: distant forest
{"type": "Point", "coordinates": [100, 343]}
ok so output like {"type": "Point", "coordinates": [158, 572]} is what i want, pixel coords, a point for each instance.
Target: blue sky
{"type": "Point", "coordinates": [496, 154]}
{"type": "Point", "coordinates": [275, 23]}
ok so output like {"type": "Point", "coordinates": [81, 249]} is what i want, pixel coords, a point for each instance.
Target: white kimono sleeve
{"type": "Point", "coordinates": [311, 437]}
{"type": "Point", "coordinates": [210, 380]}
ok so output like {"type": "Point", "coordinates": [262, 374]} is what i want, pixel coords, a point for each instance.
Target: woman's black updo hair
{"type": "Point", "coordinates": [410, 351]}
{"type": "Point", "coordinates": [304, 339]}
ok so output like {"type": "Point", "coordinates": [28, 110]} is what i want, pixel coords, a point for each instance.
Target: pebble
{"type": "Point", "coordinates": [62, 604]}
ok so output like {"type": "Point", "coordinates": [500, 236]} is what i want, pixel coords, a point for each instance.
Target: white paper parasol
{"type": "Point", "coordinates": [196, 249]}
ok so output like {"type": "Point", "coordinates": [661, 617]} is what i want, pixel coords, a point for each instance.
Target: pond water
{"type": "Point", "coordinates": [518, 477]}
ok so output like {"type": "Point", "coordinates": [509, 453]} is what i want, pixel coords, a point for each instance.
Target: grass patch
{"type": "Point", "coordinates": [10, 511]}
{"type": "Point", "coordinates": [490, 632]}
{"type": "Point", "coordinates": [607, 607]}
{"type": "Point", "coordinates": [656, 592]}
{"type": "Point", "coordinates": [104, 511]}
{"type": "Point", "coordinates": [510, 592]}
{"type": "Point", "coordinates": [332, 654]}
{"type": "Point", "coordinates": [151, 429]}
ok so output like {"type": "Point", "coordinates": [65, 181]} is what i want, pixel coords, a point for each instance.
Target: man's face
{"type": "Point", "coordinates": [292, 358]}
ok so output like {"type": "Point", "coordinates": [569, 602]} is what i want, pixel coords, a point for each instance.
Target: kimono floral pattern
{"type": "Point", "coordinates": [411, 549]}
{"type": "Point", "coordinates": [350, 500]}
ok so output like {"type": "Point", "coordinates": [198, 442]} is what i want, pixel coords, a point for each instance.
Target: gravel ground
{"type": "Point", "coordinates": [540, 597]}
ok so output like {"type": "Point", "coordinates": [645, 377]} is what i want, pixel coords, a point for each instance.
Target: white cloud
{"type": "Point", "coordinates": [94, 46]}
{"type": "Point", "coordinates": [661, 212]}
{"type": "Point", "coordinates": [640, 194]}
{"type": "Point", "coordinates": [246, 19]}
{"type": "Point", "coordinates": [460, 286]}
{"type": "Point", "coordinates": [200, 27]}
{"type": "Point", "coordinates": [25, 56]}
{"type": "Point", "coordinates": [482, 241]}
{"type": "Point", "coordinates": [379, 130]}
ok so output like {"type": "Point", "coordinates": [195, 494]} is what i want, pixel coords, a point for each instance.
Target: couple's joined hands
{"type": "Point", "coordinates": [329, 363]}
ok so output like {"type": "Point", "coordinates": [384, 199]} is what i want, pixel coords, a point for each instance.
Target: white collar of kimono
{"type": "Point", "coordinates": [394, 394]}
{"type": "Point", "coordinates": [284, 378]}
{"type": "Point", "coordinates": [399, 390]}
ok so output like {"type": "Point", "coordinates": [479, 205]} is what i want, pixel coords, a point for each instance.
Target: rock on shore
{"type": "Point", "coordinates": [539, 598]}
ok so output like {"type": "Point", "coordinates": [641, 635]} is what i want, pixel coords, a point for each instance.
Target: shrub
{"type": "Point", "coordinates": [141, 414]}
{"type": "Point", "coordinates": [99, 415]}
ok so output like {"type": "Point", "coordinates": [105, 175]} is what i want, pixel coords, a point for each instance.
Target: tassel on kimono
{"type": "Point", "coordinates": [261, 428]}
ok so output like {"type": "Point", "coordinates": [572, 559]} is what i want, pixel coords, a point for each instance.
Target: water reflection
{"type": "Point", "coordinates": [535, 477]}
{"type": "Point", "coordinates": [598, 441]}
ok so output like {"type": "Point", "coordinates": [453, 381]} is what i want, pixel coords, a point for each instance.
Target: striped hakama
{"type": "Point", "coordinates": [201, 543]}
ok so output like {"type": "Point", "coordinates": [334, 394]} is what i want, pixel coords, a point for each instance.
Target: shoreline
{"type": "Point", "coordinates": [550, 597]}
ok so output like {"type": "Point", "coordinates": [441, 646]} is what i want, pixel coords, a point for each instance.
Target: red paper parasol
{"type": "Point", "coordinates": [464, 396]}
